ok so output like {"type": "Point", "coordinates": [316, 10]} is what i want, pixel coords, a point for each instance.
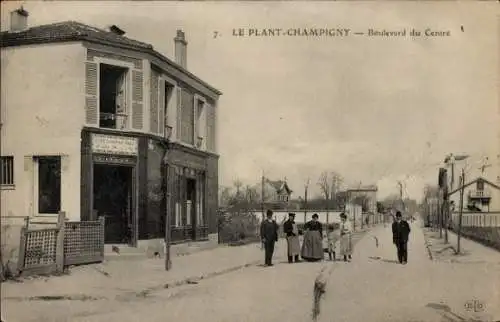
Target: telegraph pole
{"type": "Point", "coordinates": [306, 186]}
{"type": "Point", "coordinates": [446, 208]}
{"type": "Point", "coordinates": [462, 183]}
{"type": "Point", "coordinates": [262, 196]}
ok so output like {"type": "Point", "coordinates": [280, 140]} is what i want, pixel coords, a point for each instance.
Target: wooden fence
{"type": "Point", "coordinates": [477, 219]}
{"type": "Point", "coordinates": [49, 250]}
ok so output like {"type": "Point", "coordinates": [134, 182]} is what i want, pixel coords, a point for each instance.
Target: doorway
{"type": "Point", "coordinates": [190, 205]}
{"type": "Point", "coordinates": [113, 199]}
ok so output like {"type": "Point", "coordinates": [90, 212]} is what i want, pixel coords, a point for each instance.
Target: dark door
{"type": "Point", "coordinates": [113, 199]}
{"type": "Point", "coordinates": [191, 198]}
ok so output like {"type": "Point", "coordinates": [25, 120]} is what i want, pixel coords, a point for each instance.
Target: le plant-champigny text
{"type": "Point", "coordinates": [276, 32]}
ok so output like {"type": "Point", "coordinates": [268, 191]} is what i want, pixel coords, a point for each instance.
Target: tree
{"type": "Point", "coordinates": [225, 196]}
{"type": "Point", "coordinates": [238, 221]}
{"type": "Point", "coordinates": [330, 184]}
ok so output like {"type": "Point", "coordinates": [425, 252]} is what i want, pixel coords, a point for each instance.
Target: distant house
{"type": "Point", "coordinates": [479, 195]}
{"type": "Point", "coordinates": [277, 194]}
{"type": "Point", "coordinates": [367, 193]}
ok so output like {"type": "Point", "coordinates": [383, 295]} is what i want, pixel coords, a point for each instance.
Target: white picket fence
{"type": "Point", "coordinates": [477, 219]}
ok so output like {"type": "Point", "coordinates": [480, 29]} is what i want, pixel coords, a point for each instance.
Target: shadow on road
{"type": "Point", "coordinates": [391, 261]}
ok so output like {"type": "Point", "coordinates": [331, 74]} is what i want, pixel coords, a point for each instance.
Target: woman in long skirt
{"type": "Point", "coordinates": [345, 238]}
{"type": "Point", "coordinates": [312, 246]}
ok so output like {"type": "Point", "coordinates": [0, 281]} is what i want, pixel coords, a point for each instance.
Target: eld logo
{"type": "Point", "coordinates": [474, 305]}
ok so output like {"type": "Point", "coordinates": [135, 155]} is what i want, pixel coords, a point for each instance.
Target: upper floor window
{"type": "Point", "coordinates": [6, 170]}
{"type": "Point", "coordinates": [480, 185]}
{"type": "Point", "coordinates": [113, 96]}
{"type": "Point", "coordinates": [166, 94]}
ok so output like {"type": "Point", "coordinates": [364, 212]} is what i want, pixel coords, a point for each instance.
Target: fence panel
{"type": "Point", "coordinates": [48, 250]}
{"type": "Point", "coordinates": [84, 242]}
{"type": "Point", "coordinates": [38, 254]}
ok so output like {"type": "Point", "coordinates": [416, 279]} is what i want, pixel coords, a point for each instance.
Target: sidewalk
{"type": "Point", "coordinates": [470, 251]}
{"type": "Point", "coordinates": [117, 279]}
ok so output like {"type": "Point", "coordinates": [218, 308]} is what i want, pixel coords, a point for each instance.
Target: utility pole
{"type": "Point", "coordinates": [306, 186]}
{"type": "Point", "coordinates": [462, 186]}
{"type": "Point", "coordinates": [450, 160]}
{"type": "Point", "coordinates": [400, 184]}
{"type": "Point", "coordinates": [168, 203]}
{"type": "Point", "coordinates": [446, 208]}
{"type": "Point", "coordinates": [262, 197]}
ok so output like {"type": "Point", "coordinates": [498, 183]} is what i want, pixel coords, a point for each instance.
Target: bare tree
{"type": "Point", "coordinates": [330, 184]}
{"type": "Point", "coordinates": [225, 196]}
{"type": "Point", "coordinates": [237, 184]}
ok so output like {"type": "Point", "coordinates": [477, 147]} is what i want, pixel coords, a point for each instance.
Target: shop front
{"type": "Point", "coordinates": [110, 184]}
{"type": "Point", "coordinates": [187, 171]}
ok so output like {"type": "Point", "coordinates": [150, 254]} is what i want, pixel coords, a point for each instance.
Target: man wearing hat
{"type": "Point", "coordinates": [400, 233]}
{"type": "Point", "coordinates": [292, 238]}
{"type": "Point", "coordinates": [269, 236]}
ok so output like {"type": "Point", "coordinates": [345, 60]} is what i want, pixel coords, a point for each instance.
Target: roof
{"type": "Point", "coordinates": [474, 181]}
{"type": "Point", "coordinates": [76, 31]}
{"type": "Point", "coordinates": [66, 31]}
{"type": "Point", "coordinates": [279, 185]}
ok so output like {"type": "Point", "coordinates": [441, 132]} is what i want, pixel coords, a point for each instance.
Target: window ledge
{"type": "Point", "coordinates": [8, 187]}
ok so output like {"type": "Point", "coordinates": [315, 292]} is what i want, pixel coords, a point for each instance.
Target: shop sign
{"type": "Point", "coordinates": [113, 144]}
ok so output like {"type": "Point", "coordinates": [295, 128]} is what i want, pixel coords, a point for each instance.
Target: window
{"type": "Point", "coordinates": [49, 184]}
{"type": "Point", "coordinates": [7, 171]}
{"type": "Point", "coordinates": [480, 185]}
{"type": "Point", "coordinates": [169, 90]}
{"type": "Point", "coordinates": [199, 122]}
{"type": "Point", "coordinates": [113, 96]}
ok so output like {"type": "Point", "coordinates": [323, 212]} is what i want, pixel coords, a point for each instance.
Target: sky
{"type": "Point", "coordinates": [373, 109]}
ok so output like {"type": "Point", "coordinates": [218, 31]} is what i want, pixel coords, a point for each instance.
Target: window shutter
{"type": "Point", "coordinates": [162, 107]}
{"type": "Point", "coordinates": [179, 113]}
{"type": "Point", "coordinates": [137, 98]}
{"type": "Point", "coordinates": [91, 93]}
{"type": "Point", "coordinates": [210, 122]}
{"type": "Point", "coordinates": [153, 121]}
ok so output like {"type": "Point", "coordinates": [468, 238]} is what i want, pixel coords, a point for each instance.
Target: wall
{"type": "Point", "coordinates": [371, 195]}
{"type": "Point", "coordinates": [42, 99]}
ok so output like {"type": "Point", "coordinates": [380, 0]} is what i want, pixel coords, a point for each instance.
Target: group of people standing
{"type": "Point", "coordinates": [314, 244]}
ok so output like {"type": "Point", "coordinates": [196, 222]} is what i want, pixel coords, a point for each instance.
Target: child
{"type": "Point", "coordinates": [332, 240]}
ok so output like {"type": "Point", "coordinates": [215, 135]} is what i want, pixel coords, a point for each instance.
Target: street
{"type": "Point", "coordinates": [373, 287]}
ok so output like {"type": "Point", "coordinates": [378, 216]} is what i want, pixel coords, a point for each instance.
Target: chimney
{"type": "Point", "coordinates": [19, 20]}
{"type": "Point", "coordinates": [180, 49]}
{"type": "Point", "coordinates": [117, 30]}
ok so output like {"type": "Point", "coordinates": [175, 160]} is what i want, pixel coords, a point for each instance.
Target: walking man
{"type": "Point", "coordinates": [292, 238]}
{"type": "Point", "coordinates": [269, 236]}
{"type": "Point", "coordinates": [400, 233]}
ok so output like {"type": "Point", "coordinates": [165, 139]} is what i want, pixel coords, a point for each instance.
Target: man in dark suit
{"type": "Point", "coordinates": [400, 233]}
{"type": "Point", "coordinates": [269, 236]}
